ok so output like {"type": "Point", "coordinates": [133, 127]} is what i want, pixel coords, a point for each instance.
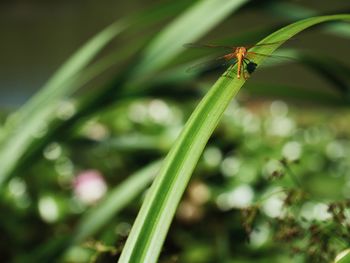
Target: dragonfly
{"type": "Point", "coordinates": [239, 55]}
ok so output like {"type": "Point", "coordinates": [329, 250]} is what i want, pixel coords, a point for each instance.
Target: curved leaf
{"type": "Point", "coordinates": [293, 11]}
{"type": "Point", "coordinates": [169, 42]}
{"type": "Point", "coordinates": [37, 114]}
{"type": "Point", "coordinates": [153, 221]}
{"type": "Point", "coordinates": [117, 199]}
{"type": "Point", "coordinates": [343, 257]}
{"type": "Point", "coordinates": [23, 127]}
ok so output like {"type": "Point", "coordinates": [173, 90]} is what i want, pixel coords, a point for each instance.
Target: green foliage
{"type": "Point", "coordinates": [151, 225]}
{"type": "Point", "coordinates": [34, 116]}
{"type": "Point", "coordinates": [271, 173]}
{"type": "Point", "coordinates": [116, 200]}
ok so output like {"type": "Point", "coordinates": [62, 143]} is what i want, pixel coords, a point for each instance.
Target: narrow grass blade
{"type": "Point", "coordinates": [15, 144]}
{"type": "Point", "coordinates": [186, 28]}
{"type": "Point", "coordinates": [153, 221]}
{"type": "Point", "coordinates": [294, 11]}
{"type": "Point", "coordinates": [343, 257]}
{"type": "Point", "coordinates": [22, 128]}
{"type": "Point", "coordinates": [116, 200]}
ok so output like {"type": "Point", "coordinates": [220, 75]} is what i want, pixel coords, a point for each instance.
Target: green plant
{"type": "Point", "coordinates": [150, 228]}
{"type": "Point", "coordinates": [138, 100]}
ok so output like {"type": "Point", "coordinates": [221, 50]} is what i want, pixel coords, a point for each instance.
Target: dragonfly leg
{"type": "Point", "coordinates": [227, 75]}
{"type": "Point", "coordinates": [244, 65]}
{"type": "Point", "coordinates": [243, 71]}
{"type": "Point", "coordinates": [228, 71]}
{"type": "Point", "coordinates": [249, 67]}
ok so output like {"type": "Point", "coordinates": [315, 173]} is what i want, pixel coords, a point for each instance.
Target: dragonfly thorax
{"type": "Point", "coordinates": [241, 51]}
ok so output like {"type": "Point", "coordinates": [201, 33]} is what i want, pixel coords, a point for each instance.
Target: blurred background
{"type": "Point", "coordinates": [273, 183]}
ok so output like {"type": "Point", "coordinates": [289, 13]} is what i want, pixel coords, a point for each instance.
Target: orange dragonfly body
{"type": "Point", "coordinates": [240, 55]}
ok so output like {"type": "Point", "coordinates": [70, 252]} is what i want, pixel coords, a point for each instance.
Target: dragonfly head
{"type": "Point", "coordinates": [241, 51]}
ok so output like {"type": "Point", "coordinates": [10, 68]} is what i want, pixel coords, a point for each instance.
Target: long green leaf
{"type": "Point", "coordinates": [293, 11]}
{"type": "Point", "coordinates": [37, 114]}
{"type": "Point", "coordinates": [153, 221]}
{"type": "Point", "coordinates": [117, 199]}
{"type": "Point", "coordinates": [186, 28]}
{"type": "Point", "coordinates": [343, 257]}
{"type": "Point", "coordinates": [31, 148]}
{"type": "Point", "coordinates": [32, 117]}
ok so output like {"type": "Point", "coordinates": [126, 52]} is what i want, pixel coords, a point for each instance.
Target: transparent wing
{"type": "Point", "coordinates": [251, 55]}
{"type": "Point", "coordinates": [198, 45]}
{"type": "Point", "coordinates": [211, 64]}
{"type": "Point", "coordinates": [265, 44]}
{"type": "Point", "coordinates": [270, 43]}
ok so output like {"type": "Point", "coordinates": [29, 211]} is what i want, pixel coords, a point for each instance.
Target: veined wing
{"type": "Point", "coordinates": [269, 44]}
{"type": "Point", "coordinates": [251, 55]}
{"type": "Point", "coordinates": [211, 64]}
{"type": "Point", "coordinates": [198, 45]}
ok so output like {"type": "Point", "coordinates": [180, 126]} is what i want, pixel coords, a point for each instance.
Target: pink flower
{"type": "Point", "coordinates": [89, 186]}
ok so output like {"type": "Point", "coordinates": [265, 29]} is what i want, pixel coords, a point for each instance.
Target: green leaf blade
{"type": "Point", "coordinates": [154, 219]}
{"type": "Point", "coordinates": [169, 42]}
{"type": "Point", "coordinates": [116, 200]}
{"type": "Point", "coordinates": [22, 128]}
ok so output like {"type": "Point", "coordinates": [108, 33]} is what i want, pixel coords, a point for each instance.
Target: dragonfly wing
{"type": "Point", "coordinates": [198, 45]}
{"type": "Point", "coordinates": [270, 43]}
{"type": "Point", "coordinates": [212, 64]}
{"type": "Point", "coordinates": [252, 55]}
